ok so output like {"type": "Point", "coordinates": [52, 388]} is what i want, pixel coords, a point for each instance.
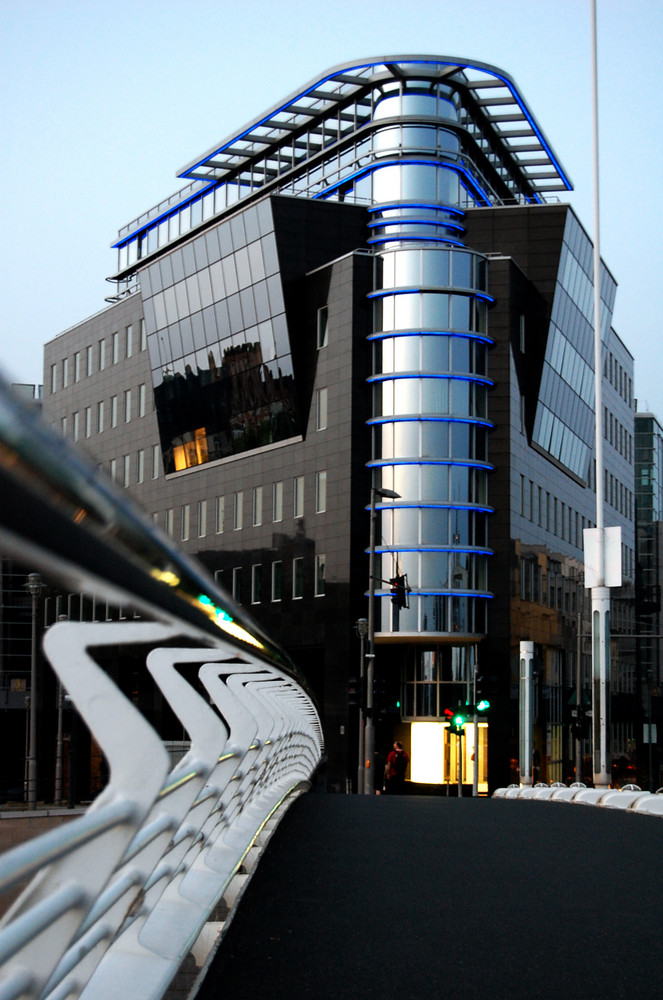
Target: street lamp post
{"type": "Point", "coordinates": [362, 631]}
{"type": "Point", "coordinates": [34, 588]}
{"type": "Point", "coordinates": [369, 736]}
{"type": "Point", "coordinates": [59, 738]}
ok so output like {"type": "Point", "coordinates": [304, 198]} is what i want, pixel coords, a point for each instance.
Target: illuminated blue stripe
{"type": "Point", "coordinates": [382, 293]}
{"type": "Point", "coordinates": [397, 205]}
{"type": "Point", "coordinates": [410, 220]}
{"type": "Point", "coordinates": [401, 238]}
{"type": "Point", "coordinates": [379, 463]}
{"type": "Point", "coordinates": [429, 419]}
{"type": "Point", "coordinates": [164, 215]}
{"type": "Point", "coordinates": [452, 549]}
{"type": "Point", "coordinates": [394, 376]}
{"type": "Point", "coordinates": [387, 334]}
{"type": "Point", "coordinates": [474, 188]}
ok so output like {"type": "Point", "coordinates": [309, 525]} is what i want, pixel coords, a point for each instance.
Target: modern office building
{"type": "Point", "coordinates": [649, 535]}
{"type": "Point", "coordinates": [375, 287]}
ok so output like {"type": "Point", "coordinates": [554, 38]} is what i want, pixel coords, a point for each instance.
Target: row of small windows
{"type": "Point", "coordinates": [275, 578]}
{"type": "Point", "coordinates": [136, 468]}
{"type": "Point", "coordinates": [552, 588]}
{"type": "Point", "coordinates": [230, 513]}
{"type": "Point", "coordinates": [130, 404]}
{"type": "Point", "coordinates": [618, 495]}
{"type": "Point", "coordinates": [550, 513]}
{"type": "Point", "coordinates": [95, 358]}
{"type": "Point", "coordinates": [617, 435]}
{"type": "Point", "coordinates": [619, 378]}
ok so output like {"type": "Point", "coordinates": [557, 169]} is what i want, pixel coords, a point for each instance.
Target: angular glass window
{"type": "Point", "coordinates": [237, 583]}
{"type": "Point", "coordinates": [320, 567]}
{"type": "Point", "coordinates": [155, 461]}
{"type": "Point", "coordinates": [321, 491]}
{"type": "Point", "coordinates": [277, 581]}
{"type": "Point", "coordinates": [256, 584]}
{"type": "Point", "coordinates": [277, 502]}
{"type": "Point", "coordinates": [238, 510]}
{"type": "Point", "coordinates": [220, 514]}
{"type": "Point", "coordinates": [297, 578]}
{"type": "Point", "coordinates": [257, 506]}
{"type": "Point", "coordinates": [323, 316]}
{"type": "Point", "coordinates": [202, 518]}
{"type": "Point", "coordinates": [298, 497]}
{"type": "Point", "coordinates": [140, 465]}
{"type": "Point", "coordinates": [321, 409]}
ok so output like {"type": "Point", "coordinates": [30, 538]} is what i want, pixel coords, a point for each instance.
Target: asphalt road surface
{"type": "Point", "coordinates": [410, 898]}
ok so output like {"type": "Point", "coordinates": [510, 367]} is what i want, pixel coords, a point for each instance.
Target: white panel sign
{"type": "Point", "coordinates": [612, 556]}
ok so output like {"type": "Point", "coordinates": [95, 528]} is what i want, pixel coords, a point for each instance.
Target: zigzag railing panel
{"type": "Point", "coordinates": [119, 895]}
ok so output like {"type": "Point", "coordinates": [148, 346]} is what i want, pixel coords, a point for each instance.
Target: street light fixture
{"type": "Point", "coordinates": [34, 586]}
{"type": "Point", "coordinates": [369, 735]}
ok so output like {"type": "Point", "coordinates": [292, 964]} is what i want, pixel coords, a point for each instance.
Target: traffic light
{"type": "Point", "coordinates": [400, 590]}
{"type": "Point", "coordinates": [456, 720]}
{"type": "Point", "coordinates": [355, 691]}
{"type": "Point", "coordinates": [483, 705]}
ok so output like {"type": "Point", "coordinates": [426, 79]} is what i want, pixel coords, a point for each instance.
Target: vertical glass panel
{"type": "Point", "coordinates": [435, 483]}
{"type": "Point", "coordinates": [419, 137]}
{"type": "Point", "coordinates": [460, 312]}
{"type": "Point", "coordinates": [418, 181]}
{"type": "Point", "coordinates": [459, 397]}
{"type": "Point", "coordinates": [419, 104]}
{"type": "Point", "coordinates": [461, 348]}
{"type": "Point", "coordinates": [406, 439]}
{"type": "Point", "coordinates": [406, 354]}
{"type": "Point", "coordinates": [386, 184]}
{"type": "Point", "coordinates": [459, 479]}
{"type": "Point", "coordinates": [435, 439]}
{"type": "Point", "coordinates": [435, 526]}
{"type": "Point", "coordinates": [407, 264]}
{"type": "Point", "coordinates": [387, 107]}
{"type": "Point", "coordinates": [434, 614]}
{"type": "Point", "coordinates": [434, 570]}
{"type": "Point", "coordinates": [435, 354]}
{"type": "Point", "coordinates": [448, 188]}
{"type": "Point", "coordinates": [407, 310]}
{"type": "Point", "coordinates": [435, 395]}
{"type": "Point", "coordinates": [461, 270]}
{"type": "Point", "coordinates": [435, 311]}
{"type": "Point", "coordinates": [405, 526]}
{"type": "Point", "coordinates": [193, 293]}
{"type": "Point", "coordinates": [435, 269]}
{"type": "Point", "coordinates": [386, 139]}
{"type": "Point", "coordinates": [406, 396]}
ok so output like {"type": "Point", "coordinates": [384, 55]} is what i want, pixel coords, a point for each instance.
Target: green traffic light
{"type": "Point", "coordinates": [458, 720]}
{"type": "Point", "coordinates": [483, 705]}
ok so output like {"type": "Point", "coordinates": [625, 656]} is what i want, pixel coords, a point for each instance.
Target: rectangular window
{"type": "Point", "coordinates": [202, 518]}
{"type": "Point", "coordinates": [155, 461]}
{"type": "Point", "coordinates": [63, 426]}
{"type": "Point", "coordinates": [277, 581]}
{"type": "Point", "coordinates": [127, 405]}
{"type": "Point", "coordinates": [298, 497]}
{"type": "Point", "coordinates": [220, 514]}
{"type": "Point", "coordinates": [237, 583]}
{"type": "Point", "coordinates": [321, 491]}
{"type": "Point", "coordinates": [297, 578]}
{"type": "Point", "coordinates": [238, 510]}
{"type": "Point", "coordinates": [320, 562]}
{"type": "Point", "coordinates": [143, 336]}
{"type": "Point", "coordinates": [257, 506]}
{"type": "Point", "coordinates": [126, 470]}
{"type": "Point", "coordinates": [185, 522]}
{"type": "Point", "coordinates": [170, 521]}
{"type": "Point", "coordinates": [140, 465]}
{"type": "Point", "coordinates": [89, 362]}
{"type": "Point", "coordinates": [65, 373]}
{"type": "Point", "coordinates": [113, 469]}
{"type": "Point", "coordinates": [77, 366]}
{"type": "Point", "coordinates": [323, 316]}
{"type": "Point", "coordinates": [277, 502]}
{"type": "Point", "coordinates": [54, 378]}
{"type": "Point", "coordinates": [129, 332]}
{"type": "Point", "coordinates": [115, 348]}
{"type": "Point", "coordinates": [100, 417]}
{"type": "Point", "coordinates": [256, 584]}
{"type": "Point", "coordinates": [320, 409]}
{"type": "Point", "coordinates": [102, 355]}
{"type": "Point", "coordinates": [113, 411]}
{"type": "Point", "coordinates": [88, 422]}
{"type": "Point", "coordinates": [75, 430]}
{"type": "Point", "coordinates": [141, 400]}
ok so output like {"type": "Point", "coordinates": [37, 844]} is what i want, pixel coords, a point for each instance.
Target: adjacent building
{"type": "Point", "coordinates": [375, 285]}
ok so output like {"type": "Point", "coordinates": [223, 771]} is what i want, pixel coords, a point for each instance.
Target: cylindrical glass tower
{"type": "Point", "coordinates": [429, 376]}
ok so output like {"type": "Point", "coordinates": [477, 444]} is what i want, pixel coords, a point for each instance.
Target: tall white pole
{"type": "Point", "coordinates": [526, 715]}
{"type": "Point", "coordinates": [600, 593]}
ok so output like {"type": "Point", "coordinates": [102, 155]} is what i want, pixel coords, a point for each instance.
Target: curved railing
{"type": "Point", "coordinates": [119, 896]}
{"type": "Point", "coordinates": [630, 797]}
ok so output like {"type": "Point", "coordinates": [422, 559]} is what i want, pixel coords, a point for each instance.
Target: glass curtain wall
{"type": "Point", "coordinates": [429, 381]}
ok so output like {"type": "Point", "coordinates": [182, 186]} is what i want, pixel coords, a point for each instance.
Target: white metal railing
{"type": "Point", "coordinates": [630, 798]}
{"type": "Point", "coordinates": [120, 894]}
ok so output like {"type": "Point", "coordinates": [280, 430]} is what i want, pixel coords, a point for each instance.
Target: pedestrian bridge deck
{"type": "Point", "coordinates": [413, 897]}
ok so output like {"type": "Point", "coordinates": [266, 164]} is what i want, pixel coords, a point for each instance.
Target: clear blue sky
{"type": "Point", "coordinates": [104, 101]}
